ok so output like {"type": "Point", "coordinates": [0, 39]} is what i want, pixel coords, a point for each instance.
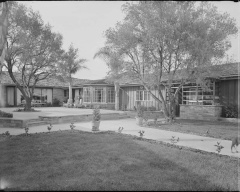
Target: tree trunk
{"type": "Point", "coordinates": [28, 105]}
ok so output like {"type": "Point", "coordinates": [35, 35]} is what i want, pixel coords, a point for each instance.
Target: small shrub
{"type": "Point", "coordinates": [141, 132]}
{"type": "Point", "coordinates": [173, 140]}
{"type": "Point", "coordinates": [48, 104]}
{"type": "Point", "coordinates": [120, 129]}
{"type": "Point", "coordinates": [5, 114]}
{"type": "Point", "coordinates": [49, 127]}
{"type": "Point", "coordinates": [152, 108]}
{"type": "Point", "coordinates": [230, 111]}
{"type": "Point", "coordinates": [56, 102]}
{"type": "Point", "coordinates": [219, 147]}
{"type": "Point", "coordinates": [72, 126]}
{"type": "Point", "coordinates": [26, 130]}
{"type": "Point", "coordinates": [96, 114]}
{"type": "Point", "coordinates": [140, 111]}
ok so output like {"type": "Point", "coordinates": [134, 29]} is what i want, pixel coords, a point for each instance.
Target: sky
{"type": "Point", "coordinates": [83, 23]}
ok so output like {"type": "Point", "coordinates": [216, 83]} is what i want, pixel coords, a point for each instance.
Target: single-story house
{"type": "Point", "coordinates": [224, 90]}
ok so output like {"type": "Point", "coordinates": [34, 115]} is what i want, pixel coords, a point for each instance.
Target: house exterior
{"type": "Point", "coordinates": [224, 90]}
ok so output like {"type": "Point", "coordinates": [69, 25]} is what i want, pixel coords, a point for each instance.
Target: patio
{"type": "Point", "coordinates": [54, 115]}
{"type": "Point", "coordinates": [53, 112]}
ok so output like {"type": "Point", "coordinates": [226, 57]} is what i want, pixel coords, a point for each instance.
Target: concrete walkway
{"type": "Point", "coordinates": [130, 127]}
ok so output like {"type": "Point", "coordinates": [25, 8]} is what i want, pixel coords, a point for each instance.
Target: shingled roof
{"type": "Point", "coordinates": [5, 79]}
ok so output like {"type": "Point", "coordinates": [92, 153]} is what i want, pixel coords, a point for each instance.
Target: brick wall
{"type": "Point", "coordinates": [58, 93]}
{"type": "Point", "coordinates": [203, 112]}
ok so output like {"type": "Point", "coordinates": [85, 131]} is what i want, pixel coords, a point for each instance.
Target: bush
{"type": "Point", "coordinates": [230, 111]}
{"type": "Point", "coordinates": [140, 111]}
{"type": "Point", "coordinates": [152, 108]}
{"type": "Point", "coordinates": [56, 102]}
{"type": "Point", "coordinates": [5, 114]}
{"type": "Point", "coordinates": [48, 105]}
{"type": "Point", "coordinates": [96, 114]}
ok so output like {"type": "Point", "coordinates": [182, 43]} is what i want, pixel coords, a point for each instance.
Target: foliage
{"type": "Point", "coordinates": [230, 111]}
{"type": "Point", "coordinates": [33, 50]}
{"type": "Point", "coordinates": [5, 114]}
{"type": "Point", "coordinates": [96, 114]}
{"type": "Point", "coordinates": [72, 126]}
{"type": "Point", "coordinates": [6, 133]}
{"type": "Point", "coordinates": [26, 130]}
{"type": "Point", "coordinates": [140, 110]}
{"type": "Point", "coordinates": [48, 104]}
{"type": "Point", "coordinates": [160, 42]}
{"type": "Point", "coordinates": [219, 147]}
{"type": "Point", "coordinates": [69, 65]}
{"type": "Point", "coordinates": [56, 102]}
{"type": "Point", "coordinates": [120, 129]}
{"type": "Point", "coordinates": [49, 127]}
{"type": "Point", "coordinates": [141, 132]}
{"type": "Point", "coordinates": [174, 140]}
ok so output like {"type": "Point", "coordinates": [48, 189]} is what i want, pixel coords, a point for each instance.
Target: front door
{"type": "Point", "coordinates": [10, 96]}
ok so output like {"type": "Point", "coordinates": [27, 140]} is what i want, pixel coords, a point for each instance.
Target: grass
{"type": "Point", "coordinates": [217, 129]}
{"type": "Point", "coordinates": [86, 161]}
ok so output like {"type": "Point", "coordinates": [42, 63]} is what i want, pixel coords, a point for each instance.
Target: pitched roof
{"type": "Point", "coordinates": [216, 71]}
{"type": "Point", "coordinates": [49, 82]}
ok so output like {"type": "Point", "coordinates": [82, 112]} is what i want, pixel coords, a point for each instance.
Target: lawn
{"type": "Point", "coordinates": [108, 161]}
{"type": "Point", "coordinates": [217, 129]}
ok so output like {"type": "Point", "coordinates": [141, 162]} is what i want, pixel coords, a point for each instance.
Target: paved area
{"type": "Point", "coordinates": [130, 127]}
{"type": "Point", "coordinates": [52, 112]}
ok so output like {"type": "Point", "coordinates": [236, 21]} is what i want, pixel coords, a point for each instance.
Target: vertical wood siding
{"type": "Point", "coordinates": [229, 91]}
{"type": "Point", "coordinates": [128, 98]}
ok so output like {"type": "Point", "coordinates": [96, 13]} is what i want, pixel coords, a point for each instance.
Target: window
{"type": "Point", "coordinates": [65, 93]}
{"type": "Point", "coordinates": [99, 95]}
{"type": "Point", "coordinates": [86, 94]}
{"type": "Point", "coordinates": [111, 95]}
{"type": "Point", "coordinates": [196, 95]}
{"type": "Point", "coordinates": [142, 95]}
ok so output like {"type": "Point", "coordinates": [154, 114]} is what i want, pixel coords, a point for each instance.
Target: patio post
{"type": "Point", "coordinates": [70, 100]}
{"type": "Point", "coordinates": [116, 85]}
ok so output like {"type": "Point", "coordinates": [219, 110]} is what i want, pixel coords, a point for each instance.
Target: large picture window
{"type": "Point", "coordinates": [196, 95]}
{"type": "Point", "coordinates": [142, 95]}
{"type": "Point", "coordinates": [86, 94]}
{"type": "Point", "coordinates": [99, 95]}
{"type": "Point", "coordinates": [111, 95]}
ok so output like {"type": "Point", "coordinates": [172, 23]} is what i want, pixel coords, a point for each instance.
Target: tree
{"type": "Point", "coordinates": [70, 65]}
{"type": "Point", "coordinates": [33, 50]}
{"type": "Point", "coordinates": [4, 11]}
{"type": "Point", "coordinates": [160, 42]}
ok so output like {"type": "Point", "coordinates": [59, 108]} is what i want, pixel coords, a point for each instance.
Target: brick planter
{"type": "Point", "coordinates": [202, 112]}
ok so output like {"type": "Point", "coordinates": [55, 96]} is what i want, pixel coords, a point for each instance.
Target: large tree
{"type": "Point", "coordinates": [159, 42]}
{"type": "Point", "coordinates": [33, 50]}
{"type": "Point", "coordinates": [70, 65]}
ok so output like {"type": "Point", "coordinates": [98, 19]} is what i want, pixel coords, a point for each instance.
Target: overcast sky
{"type": "Point", "coordinates": [84, 22]}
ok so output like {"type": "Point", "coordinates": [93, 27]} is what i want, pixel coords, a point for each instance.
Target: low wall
{"type": "Point", "coordinates": [202, 112]}
{"type": "Point", "coordinates": [77, 118]}
{"type": "Point", "coordinates": [153, 114]}
{"type": "Point", "coordinates": [12, 123]}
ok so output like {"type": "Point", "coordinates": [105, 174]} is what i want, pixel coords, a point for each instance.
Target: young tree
{"type": "Point", "coordinates": [33, 50]}
{"type": "Point", "coordinates": [160, 42]}
{"type": "Point", "coordinates": [70, 65]}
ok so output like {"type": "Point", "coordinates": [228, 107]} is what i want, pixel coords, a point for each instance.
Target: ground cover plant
{"type": "Point", "coordinates": [216, 129]}
{"type": "Point", "coordinates": [102, 161]}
